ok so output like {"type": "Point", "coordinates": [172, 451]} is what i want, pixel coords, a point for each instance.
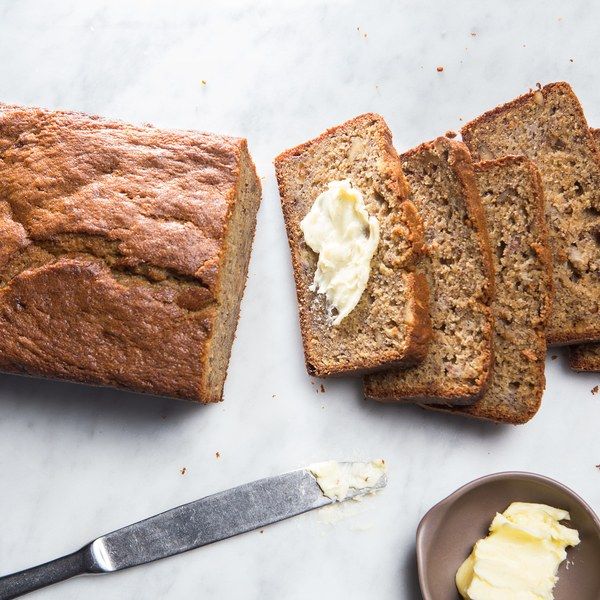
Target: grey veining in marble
{"type": "Point", "coordinates": [78, 461]}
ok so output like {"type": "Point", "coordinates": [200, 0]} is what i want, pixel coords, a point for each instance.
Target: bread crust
{"type": "Point", "coordinates": [557, 336]}
{"type": "Point", "coordinates": [418, 328]}
{"type": "Point", "coordinates": [114, 239]}
{"type": "Point", "coordinates": [375, 388]}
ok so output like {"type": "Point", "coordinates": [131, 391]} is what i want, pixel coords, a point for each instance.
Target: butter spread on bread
{"type": "Point", "coordinates": [341, 231]}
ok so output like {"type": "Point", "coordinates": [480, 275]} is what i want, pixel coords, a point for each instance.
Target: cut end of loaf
{"type": "Point", "coordinates": [235, 254]}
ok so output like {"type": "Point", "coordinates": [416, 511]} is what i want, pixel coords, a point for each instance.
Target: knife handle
{"type": "Point", "coordinates": [23, 582]}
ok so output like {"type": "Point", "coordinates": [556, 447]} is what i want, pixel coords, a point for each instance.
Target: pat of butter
{"type": "Point", "coordinates": [520, 557]}
{"type": "Point", "coordinates": [338, 480]}
{"type": "Point", "coordinates": [339, 229]}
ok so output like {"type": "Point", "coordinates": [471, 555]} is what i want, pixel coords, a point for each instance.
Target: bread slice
{"type": "Point", "coordinates": [459, 273]}
{"type": "Point", "coordinates": [390, 324]}
{"type": "Point", "coordinates": [587, 356]}
{"type": "Point", "coordinates": [549, 127]}
{"type": "Point", "coordinates": [513, 201]}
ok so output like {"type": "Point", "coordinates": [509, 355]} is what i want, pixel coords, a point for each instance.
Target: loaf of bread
{"type": "Point", "coordinates": [513, 201]}
{"type": "Point", "coordinates": [123, 253]}
{"type": "Point", "coordinates": [586, 357]}
{"type": "Point", "coordinates": [390, 323]}
{"type": "Point", "coordinates": [549, 127]}
{"type": "Point", "coordinates": [459, 273]}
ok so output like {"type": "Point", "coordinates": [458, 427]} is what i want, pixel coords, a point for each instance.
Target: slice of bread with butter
{"type": "Point", "coordinates": [356, 242]}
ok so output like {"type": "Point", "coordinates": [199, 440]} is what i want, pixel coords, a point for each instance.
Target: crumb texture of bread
{"type": "Point", "coordinates": [513, 201]}
{"type": "Point", "coordinates": [390, 324]}
{"type": "Point", "coordinates": [549, 127]}
{"type": "Point", "coordinates": [458, 269]}
{"type": "Point", "coordinates": [124, 251]}
{"type": "Point", "coordinates": [585, 357]}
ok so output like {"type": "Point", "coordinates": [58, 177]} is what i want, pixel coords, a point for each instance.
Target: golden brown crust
{"type": "Point", "coordinates": [558, 333]}
{"type": "Point", "coordinates": [318, 360]}
{"type": "Point", "coordinates": [117, 238]}
{"type": "Point", "coordinates": [385, 389]}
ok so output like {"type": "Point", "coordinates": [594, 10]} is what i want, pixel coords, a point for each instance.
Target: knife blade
{"type": "Point", "coordinates": [210, 519]}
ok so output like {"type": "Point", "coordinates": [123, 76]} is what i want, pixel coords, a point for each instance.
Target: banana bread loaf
{"type": "Point", "coordinates": [513, 201]}
{"type": "Point", "coordinates": [549, 127]}
{"type": "Point", "coordinates": [124, 251]}
{"type": "Point", "coordinates": [390, 323]}
{"type": "Point", "coordinates": [459, 272]}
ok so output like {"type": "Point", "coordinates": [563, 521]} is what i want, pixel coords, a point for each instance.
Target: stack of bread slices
{"type": "Point", "coordinates": [489, 250]}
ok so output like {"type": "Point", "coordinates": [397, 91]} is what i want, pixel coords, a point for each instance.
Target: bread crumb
{"type": "Point", "coordinates": [553, 357]}
{"type": "Point", "coordinates": [598, 467]}
{"type": "Point", "coordinates": [203, 82]}
{"type": "Point", "coordinates": [273, 396]}
{"type": "Point", "coordinates": [322, 389]}
{"type": "Point", "coordinates": [473, 34]}
{"type": "Point", "coordinates": [595, 389]}
{"type": "Point", "coordinates": [451, 134]}
{"type": "Point", "coordinates": [217, 454]}
{"type": "Point", "coordinates": [439, 69]}
{"type": "Point", "coordinates": [262, 530]}
{"type": "Point", "coordinates": [183, 470]}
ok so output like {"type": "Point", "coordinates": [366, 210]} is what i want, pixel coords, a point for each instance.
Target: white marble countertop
{"type": "Point", "coordinates": [76, 462]}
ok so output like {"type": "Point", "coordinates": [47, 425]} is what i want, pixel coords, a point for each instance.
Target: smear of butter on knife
{"type": "Point", "coordinates": [338, 480]}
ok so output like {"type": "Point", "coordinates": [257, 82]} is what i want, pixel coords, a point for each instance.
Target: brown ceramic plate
{"type": "Point", "coordinates": [448, 531]}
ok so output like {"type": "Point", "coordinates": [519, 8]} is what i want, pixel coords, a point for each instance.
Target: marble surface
{"type": "Point", "coordinates": [76, 462]}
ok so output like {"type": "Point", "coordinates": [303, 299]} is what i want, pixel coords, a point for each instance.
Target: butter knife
{"type": "Point", "coordinates": [210, 519]}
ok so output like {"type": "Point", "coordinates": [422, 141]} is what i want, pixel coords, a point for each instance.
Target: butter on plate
{"type": "Point", "coordinates": [519, 559]}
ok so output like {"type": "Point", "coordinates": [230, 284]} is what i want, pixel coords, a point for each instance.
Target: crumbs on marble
{"type": "Point", "coordinates": [203, 82]}
{"type": "Point", "coordinates": [473, 34]}
{"type": "Point", "coordinates": [439, 69]}
{"type": "Point", "coordinates": [598, 467]}
{"type": "Point", "coordinates": [217, 454]}
{"type": "Point", "coordinates": [183, 470]}
{"type": "Point", "coordinates": [361, 32]}
{"type": "Point", "coordinates": [570, 60]}
{"type": "Point", "coordinates": [595, 389]}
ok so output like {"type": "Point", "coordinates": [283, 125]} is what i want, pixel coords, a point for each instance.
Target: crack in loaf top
{"type": "Point", "coordinates": [161, 196]}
